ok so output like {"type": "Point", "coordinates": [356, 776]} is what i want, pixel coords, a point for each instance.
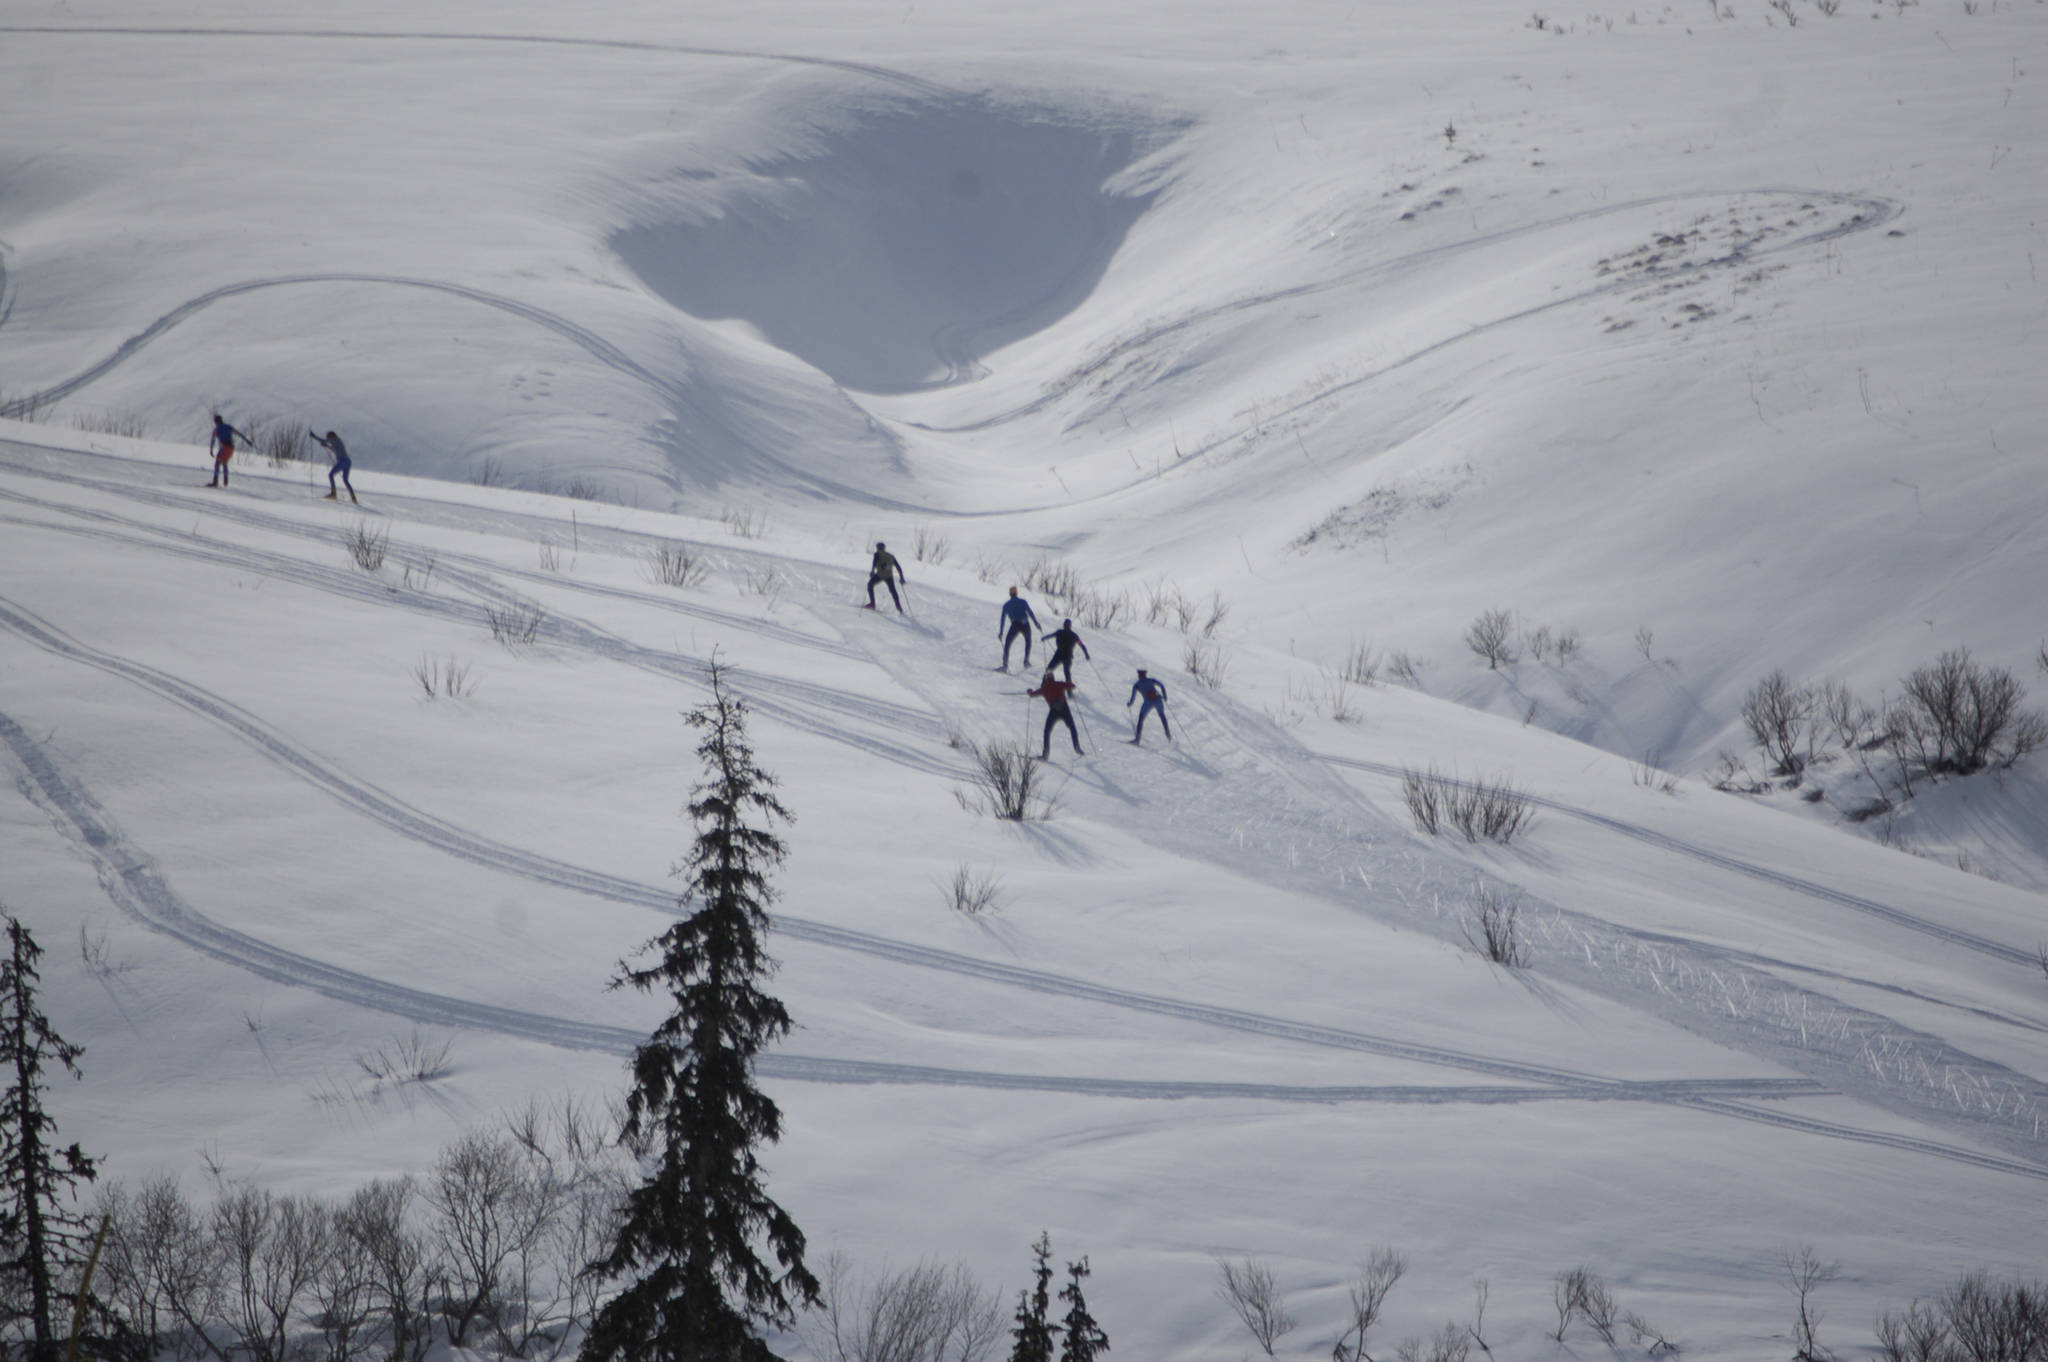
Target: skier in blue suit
{"type": "Point", "coordinates": [1017, 621]}
{"type": "Point", "coordinates": [1153, 692]}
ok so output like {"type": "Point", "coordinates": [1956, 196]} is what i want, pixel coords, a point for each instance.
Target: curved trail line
{"type": "Point", "coordinates": [1616, 968]}
{"type": "Point", "coordinates": [1242, 794]}
{"type": "Point", "coordinates": [881, 73]}
{"type": "Point", "coordinates": [133, 882]}
{"type": "Point", "coordinates": [600, 349]}
{"type": "Point", "coordinates": [1874, 211]}
{"type": "Point", "coordinates": [425, 828]}
{"type": "Point", "coordinates": [1953, 936]}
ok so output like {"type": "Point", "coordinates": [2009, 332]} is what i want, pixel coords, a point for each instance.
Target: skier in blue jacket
{"type": "Point", "coordinates": [333, 445]}
{"type": "Point", "coordinates": [222, 445]}
{"type": "Point", "coordinates": [1153, 692]}
{"type": "Point", "coordinates": [1016, 622]}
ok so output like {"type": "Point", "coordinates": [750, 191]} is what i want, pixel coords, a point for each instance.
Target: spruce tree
{"type": "Point", "coordinates": [696, 1288]}
{"type": "Point", "coordinates": [1031, 1340]}
{"type": "Point", "coordinates": [1084, 1340]}
{"type": "Point", "coordinates": [41, 1237]}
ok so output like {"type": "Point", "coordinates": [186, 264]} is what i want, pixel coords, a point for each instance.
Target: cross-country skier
{"type": "Point", "coordinates": [1055, 694]}
{"type": "Point", "coordinates": [1153, 692]}
{"type": "Point", "coordinates": [333, 445]}
{"type": "Point", "coordinates": [222, 446]}
{"type": "Point", "coordinates": [887, 571]}
{"type": "Point", "coordinates": [1013, 626]}
{"type": "Point", "coordinates": [1064, 641]}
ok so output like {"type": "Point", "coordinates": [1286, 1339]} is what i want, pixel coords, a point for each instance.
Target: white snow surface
{"type": "Point", "coordinates": [1712, 337]}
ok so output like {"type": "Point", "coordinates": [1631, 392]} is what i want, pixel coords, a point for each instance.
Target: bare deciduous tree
{"type": "Point", "coordinates": [1248, 1288]}
{"type": "Point", "coordinates": [1805, 1273]}
{"type": "Point", "coordinates": [925, 1313]}
{"type": "Point", "coordinates": [1376, 1277]}
{"type": "Point", "coordinates": [1779, 716]}
{"type": "Point", "coordinates": [1490, 637]}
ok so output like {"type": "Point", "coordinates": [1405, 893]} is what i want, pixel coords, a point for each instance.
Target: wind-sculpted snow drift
{"type": "Point", "coordinates": [890, 248]}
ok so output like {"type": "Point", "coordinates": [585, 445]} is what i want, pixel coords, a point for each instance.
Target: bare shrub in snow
{"type": "Point", "coordinates": [1424, 793]}
{"type": "Point", "coordinates": [1489, 637]}
{"type": "Point", "coordinates": [1850, 720]}
{"type": "Point", "coordinates": [1100, 609]}
{"type": "Point", "coordinates": [1250, 1291]}
{"type": "Point", "coordinates": [1162, 602]}
{"type": "Point", "coordinates": [419, 572]}
{"type": "Point", "coordinates": [1490, 929]}
{"type": "Point", "coordinates": [744, 522]}
{"type": "Point", "coordinates": [1580, 1294]}
{"type": "Point", "coordinates": [488, 471]}
{"type": "Point", "coordinates": [1361, 666]}
{"type": "Point", "coordinates": [1568, 645]}
{"type": "Point", "coordinates": [1452, 1343]}
{"type": "Point", "coordinates": [413, 1058]}
{"type": "Point", "coordinates": [766, 583]}
{"type": "Point", "coordinates": [1648, 773]}
{"type": "Point", "coordinates": [1484, 810]}
{"type": "Point", "coordinates": [1054, 578]}
{"type": "Point", "coordinates": [1958, 715]}
{"type": "Point", "coordinates": [676, 565]}
{"type": "Point", "coordinates": [1214, 612]}
{"type": "Point", "coordinates": [1206, 660]}
{"type": "Point", "coordinates": [1337, 700]}
{"type": "Point", "coordinates": [929, 546]}
{"type": "Point", "coordinates": [1779, 716]}
{"type": "Point", "coordinates": [1405, 667]}
{"type": "Point", "coordinates": [972, 891]}
{"type": "Point", "coordinates": [925, 1313]}
{"type": "Point", "coordinates": [113, 421]}
{"type": "Point", "coordinates": [439, 677]}
{"type": "Point", "coordinates": [1368, 1293]}
{"type": "Point", "coordinates": [366, 546]}
{"type": "Point", "coordinates": [550, 556]}
{"type": "Point", "coordinates": [1009, 783]}
{"type": "Point", "coordinates": [516, 623]}
{"type": "Point", "coordinates": [1805, 1274]}
{"type": "Point", "coordinates": [282, 442]}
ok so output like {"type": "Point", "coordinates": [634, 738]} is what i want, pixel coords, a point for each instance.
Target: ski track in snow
{"type": "Point", "coordinates": [1953, 936]}
{"type": "Point", "coordinates": [881, 73]}
{"type": "Point", "coordinates": [1610, 953]}
{"type": "Point", "coordinates": [1267, 809]}
{"type": "Point", "coordinates": [1870, 212]}
{"type": "Point", "coordinates": [418, 826]}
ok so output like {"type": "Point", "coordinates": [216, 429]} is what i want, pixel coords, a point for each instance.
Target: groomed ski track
{"type": "Point", "coordinates": [1236, 782]}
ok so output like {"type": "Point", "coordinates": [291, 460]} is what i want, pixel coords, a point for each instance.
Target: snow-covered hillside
{"type": "Point", "coordinates": [1702, 337]}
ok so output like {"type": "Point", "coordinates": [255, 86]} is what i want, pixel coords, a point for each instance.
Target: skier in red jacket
{"type": "Point", "coordinates": [1055, 694]}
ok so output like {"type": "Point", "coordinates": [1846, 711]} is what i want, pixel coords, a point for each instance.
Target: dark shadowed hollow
{"type": "Point", "coordinates": [898, 248]}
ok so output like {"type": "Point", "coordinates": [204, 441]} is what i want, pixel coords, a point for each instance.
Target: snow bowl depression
{"type": "Point", "coordinates": [890, 248]}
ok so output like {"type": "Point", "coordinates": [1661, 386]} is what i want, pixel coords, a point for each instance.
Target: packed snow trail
{"type": "Point", "coordinates": [1238, 782]}
{"type": "Point", "coordinates": [1238, 791]}
{"type": "Point", "coordinates": [421, 827]}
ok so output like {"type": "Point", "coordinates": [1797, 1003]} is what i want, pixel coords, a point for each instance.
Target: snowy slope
{"type": "Point", "coordinates": [1369, 321]}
